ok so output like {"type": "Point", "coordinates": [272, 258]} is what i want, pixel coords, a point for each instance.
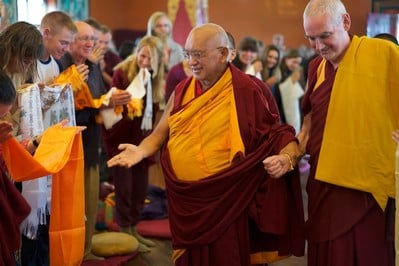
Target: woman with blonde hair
{"type": "Point", "coordinates": [142, 74]}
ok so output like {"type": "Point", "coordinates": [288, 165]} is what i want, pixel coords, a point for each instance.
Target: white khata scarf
{"type": "Point", "coordinates": [40, 109]}
{"type": "Point", "coordinates": [137, 89]}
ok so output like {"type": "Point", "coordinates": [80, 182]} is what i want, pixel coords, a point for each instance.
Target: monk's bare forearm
{"type": "Point", "coordinates": [153, 143]}
{"type": "Point", "coordinates": [293, 151]}
{"type": "Point", "coordinates": [303, 135]}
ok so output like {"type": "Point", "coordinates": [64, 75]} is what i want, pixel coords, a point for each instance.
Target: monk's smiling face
{"type": "Point", "coordinates": [327, 31]}
{"type": "Point", "coordinates": [206, 53]}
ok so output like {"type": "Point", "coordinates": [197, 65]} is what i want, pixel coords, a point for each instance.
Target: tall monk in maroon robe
{"type": "Point", "coordinates": [352, 162]}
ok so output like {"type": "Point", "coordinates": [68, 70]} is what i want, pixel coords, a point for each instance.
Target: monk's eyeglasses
{"type": "Point", "coordinates": [197, 54]}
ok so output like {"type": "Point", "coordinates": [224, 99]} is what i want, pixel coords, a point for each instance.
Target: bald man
{"type": "Point", "coordinates": [218, 127]}
{"type": "Point", "coordinates": [80, 49]}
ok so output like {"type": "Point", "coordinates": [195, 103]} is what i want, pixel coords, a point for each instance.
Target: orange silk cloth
{"type": "Point", "coordinates": [60, 153]}
{"type": "Point", "coordinates": [204, 135]}
{"type": "Point", "coordinates": [81, 91]}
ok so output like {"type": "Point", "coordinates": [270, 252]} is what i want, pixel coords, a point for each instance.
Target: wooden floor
{"type": "Point", "coordinates": [160, 255]}
{"type": "Point", "coordinates": [293, 261]}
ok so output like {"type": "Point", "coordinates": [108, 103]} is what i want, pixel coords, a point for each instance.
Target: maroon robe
{"type": "Point", "coordinates": [111, 59]}
{"type": "Point", "coordinates": [334, 211]}
{"type": "Point", "coordinates": [217, 218]}
{"type": "Point", "coordinates": [13, 210]}
{"type": "Point", "coordinates": [175, 75]}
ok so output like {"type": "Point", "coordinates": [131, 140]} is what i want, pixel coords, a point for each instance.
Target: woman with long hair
{"type": "Point", "coordinates": [21, 44]}
{"type": "Point", "coordinates": [142, 74]}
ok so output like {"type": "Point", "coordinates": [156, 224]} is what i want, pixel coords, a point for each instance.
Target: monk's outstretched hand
{"type": "Point", "coordinates": [277, 165]}
{"type": "Point", "coordinates": [130, 155]}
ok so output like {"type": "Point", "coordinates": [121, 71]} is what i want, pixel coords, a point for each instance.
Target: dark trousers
{"type": "Point", "coordinates": [130, 192]}
{"type": "Point", "coordinates": [35, 252]}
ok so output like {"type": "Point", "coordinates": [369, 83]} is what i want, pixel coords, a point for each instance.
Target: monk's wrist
{"type": "Point", "coordinates": [290, 160]}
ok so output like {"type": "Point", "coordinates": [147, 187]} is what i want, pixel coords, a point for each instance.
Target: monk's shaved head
{"type": "Point", "coordinates": [209, 34]}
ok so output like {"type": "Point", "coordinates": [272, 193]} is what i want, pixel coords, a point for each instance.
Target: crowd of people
{"type": "Point", "coordinates": [233, 126]}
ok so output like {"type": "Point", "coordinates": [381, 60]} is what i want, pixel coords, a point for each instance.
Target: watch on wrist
{"type": "Point", "coordinates": [35, 143]}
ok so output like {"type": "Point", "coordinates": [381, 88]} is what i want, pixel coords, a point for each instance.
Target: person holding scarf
{"type": "Point", "coordinates": [142, 75]}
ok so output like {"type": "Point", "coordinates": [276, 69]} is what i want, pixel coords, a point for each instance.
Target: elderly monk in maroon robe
{"type": "Point", "coordinates": [351, 108]}
{"type": "Point", "coordinates": [217, 130]}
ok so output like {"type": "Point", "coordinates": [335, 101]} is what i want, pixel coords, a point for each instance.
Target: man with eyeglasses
{"type": "Point", "coordinates": [218, 127]}
{"type": "Point", "coordinates": [351, 109]}
{"type": "Point", "coordinates": [78, 55]}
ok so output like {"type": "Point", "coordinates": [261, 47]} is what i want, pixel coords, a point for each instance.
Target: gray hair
{"type": "Point", "coordinates": [334, 8]}
{"type": "Point", "coordinates": [152, 21]}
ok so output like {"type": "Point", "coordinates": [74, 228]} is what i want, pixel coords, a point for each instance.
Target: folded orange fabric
{"type": "Point", "coordinates": [81, 91]}
{"type": "Point", "coordinates": [60, 153]}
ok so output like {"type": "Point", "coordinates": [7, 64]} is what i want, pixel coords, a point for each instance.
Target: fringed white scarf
{"type": "Point", "coordinates": [57, 102]}
{"type": "Point", "coordinates": [146, 123]}
{"type": "Point", "coordinates": [137, 89]}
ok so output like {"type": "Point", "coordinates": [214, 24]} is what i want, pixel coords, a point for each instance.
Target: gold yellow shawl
{"type": "Point", "coordinates": [357, 150]}
{"type": "Point", "coordinates": [60, 153]}
{"type": "Point", "coordinates": [191, 140]}
{"type": "Point", "coordinates": [193, 129]}
{"type": "Point", "coordinates": [81, 91]}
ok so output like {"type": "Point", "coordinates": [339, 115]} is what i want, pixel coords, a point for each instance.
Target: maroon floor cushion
{"type": "Point", "coordinates": [111, 261]}
{"type": "Point", "coordinates": [154, 228]}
